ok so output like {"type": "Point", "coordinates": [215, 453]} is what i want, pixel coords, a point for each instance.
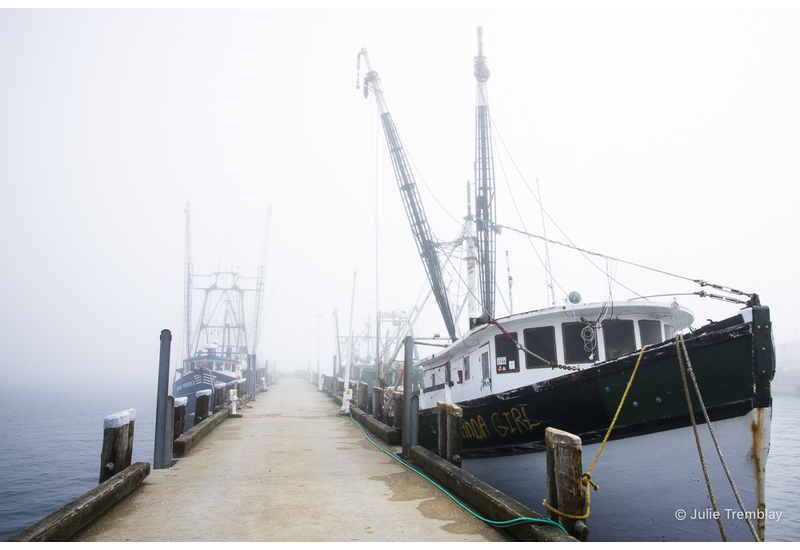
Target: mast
{"type": "Point", "coordinates": [411, 199]}
{"type": "Point", "coordinates": [222, 316]}
{"type": "Point", "coordinates": [484, 185]}
{"type": "Point", "coordinates": [469, 234]}
{"type": "Point", "coordinates": [262, 271]}
{"type": "Point", "coordinates": [187, 297]}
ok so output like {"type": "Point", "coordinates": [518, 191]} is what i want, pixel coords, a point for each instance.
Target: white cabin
{"type": "Point", "coordinates": [485, 361]}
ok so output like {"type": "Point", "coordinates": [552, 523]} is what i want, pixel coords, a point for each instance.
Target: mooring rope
{"type": "Point", "coordinates": [679, 342]}
{"type": "Point", "coordinates": [699, 446]}
{"type": "Point", "coordinates": [586, 478]}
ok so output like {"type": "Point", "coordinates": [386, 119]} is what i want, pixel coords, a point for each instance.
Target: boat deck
{"type": "Point", "coordinates": [291, 469]}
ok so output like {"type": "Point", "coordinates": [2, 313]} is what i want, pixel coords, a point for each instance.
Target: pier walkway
{"type": "Point", "coordinates": [291, 469]}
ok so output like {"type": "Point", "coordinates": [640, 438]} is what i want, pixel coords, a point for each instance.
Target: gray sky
{"type": "Point", "coordinates": [663, 137]}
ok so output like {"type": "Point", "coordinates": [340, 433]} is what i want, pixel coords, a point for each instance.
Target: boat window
{"type": "Point", "coordinates": [485, 363]}
{"type": "Point", "coordinates": [619, 337]}
{"type": "Point", "coordinates": [650, 331]}
{"type": "Point", "coordinates": [466, 367]}
{"type": "Point", "coordinates": [542, 342]}
{"type": "Point", "coordinates": [579, 343]}
{"type": "Point", "coordinates": [436, 382]}
{"type": "Point", "coordinates": [506, 352]}
{"type": "Point", "coordinates": [669, 332]}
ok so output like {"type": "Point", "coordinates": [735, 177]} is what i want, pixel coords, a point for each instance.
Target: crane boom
{"type": "Point", "coordinates": [411, 199]}
{"type": "Point", "coordinates": [484, 185]}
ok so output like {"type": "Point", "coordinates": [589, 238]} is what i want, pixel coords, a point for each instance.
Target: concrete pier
{"type": "Point", "coordinates": [291, 469]}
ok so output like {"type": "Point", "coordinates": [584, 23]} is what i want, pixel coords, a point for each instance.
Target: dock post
{"type": "Point", "coordinates": [449, 431]}
{"type": "Point", "coordinates": [160, 460]}
{"type": "Point", "coordinates": [219, 396]}
{"type": "Point", "coordinates": [397, 403]}
{"type": "Point", "coordinates": [565, 492]}
{"type": "Point", "coordinates": [129, 454]}
{"type": "Point", "coordinates": [441, 427]}
{"type": "Point", "coordinates": [179, 417]}
{"type": "Point", "coordinates": [408, 380]}
{"type": "Point", "coordinates": [377, 402]}
{"type": "Point", "coordinates": [363, 396]}
{"type": "Point", "coordinates": [116, 428]}
{"type": "Point", "coordinates": [251, 376]}
{"type": "Point", "coordinates": [454, 415]}
{"type": "Point", "coordinates": [202, 403]}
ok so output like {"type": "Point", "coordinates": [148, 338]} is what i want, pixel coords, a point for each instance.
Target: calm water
{"type": "Point", "coordinates": [50, 453]}
{"type": "Point", "coordinates": [50, 445]}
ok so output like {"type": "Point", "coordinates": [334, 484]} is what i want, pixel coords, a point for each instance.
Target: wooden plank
{"type": "Point", "coordinates": [68, 520]}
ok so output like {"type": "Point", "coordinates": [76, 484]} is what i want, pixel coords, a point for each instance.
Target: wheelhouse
{"type": "Point", "coordinates": [535, 346]}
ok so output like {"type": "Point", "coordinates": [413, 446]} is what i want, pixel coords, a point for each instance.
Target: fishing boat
{"type": "Point", "coordinates": [676, 419]}
{"type": "Point", "coordinates": [222, 349]}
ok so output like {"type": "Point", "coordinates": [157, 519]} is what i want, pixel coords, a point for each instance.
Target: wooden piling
{"type": "Point", "coordinates": [129, 452]}
{"type": "Point", "coordinates": [397, 402]}
{"type": "Point", "coordinates": [377, 402]}
{"type": "Point", "coordinates": [219, 395]}
{"type": "Point", "coordinates": [201, 406]}
{"type": "Point", "coordinates": [179, 417]}
{"type": "Point", "coordinates": [362, 397]}
{"type": "Point", "coordinates": [117, 445]}
{"type": "Point", "coordinates": [449, 431]}
{"type": "Point", "coordinates": [565, 492]}
{"type": "Point", "coordinates": [441, 427]}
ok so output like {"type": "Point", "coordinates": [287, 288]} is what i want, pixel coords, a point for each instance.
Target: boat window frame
{"type": "Point", "coordinates": [650, 322]}
{"type": "Point", "coordinates": [502, 346]}
{"type": "Point", "coordinates": [612, 336]}
{"type": "Point", "coordinates": [434, 386]}
{"type": "Point", "coordinates": [530, 358]}
{"type": "Point", "coordinates": [565, 337]}
{"type": "Point", "coordinates": [485, 356]}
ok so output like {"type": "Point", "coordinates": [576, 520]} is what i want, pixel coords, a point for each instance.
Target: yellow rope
{"type": "Point", "coordinates": [586, 479]}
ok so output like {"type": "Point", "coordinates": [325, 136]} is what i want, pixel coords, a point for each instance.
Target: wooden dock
{"type": "Point", "coordinates": [291, 469]}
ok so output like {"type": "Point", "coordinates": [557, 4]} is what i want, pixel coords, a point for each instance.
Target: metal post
{"type": "Point", "coordinates": [408, 378]}
{"type": "Point", "coordinates": [160, 459]}
{"type": "Point", "coordinates": [252, 376]}
{"type": "Point", "coordinates": [170, 433]}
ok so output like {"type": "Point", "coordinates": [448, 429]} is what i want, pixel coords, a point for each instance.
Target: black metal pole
{"type": "Point", "coordinates": [160, 460]}
{"type": "Point", "coordinates": [408, 378]}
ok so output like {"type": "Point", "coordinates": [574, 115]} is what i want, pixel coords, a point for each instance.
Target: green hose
{"type": "Point", "coordinates": [501, 524]}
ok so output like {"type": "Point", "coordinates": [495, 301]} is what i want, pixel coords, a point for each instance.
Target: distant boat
{"type": "Point", "coordinates": [219, 345]}
{"type": "Point", "coordinates": [218, 351]}
{"type": "Point", "coordinates": [204, 372]}
{"type": "Point", "coordinates": [568, 367]}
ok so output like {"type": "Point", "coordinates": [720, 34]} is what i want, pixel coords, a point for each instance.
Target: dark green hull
{"type": "Point", "coordinates": [733, 361]}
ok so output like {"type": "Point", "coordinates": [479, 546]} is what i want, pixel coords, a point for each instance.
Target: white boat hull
{"type": "Point", "coordinates": [652, 487]}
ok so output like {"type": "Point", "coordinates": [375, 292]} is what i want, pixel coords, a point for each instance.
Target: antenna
{"type": "Point", "coordinates": [188, 276]}
{"type": "Point", "coordinates": [484, 184]}
{"type": "Point", "coordinates": [510, 284]}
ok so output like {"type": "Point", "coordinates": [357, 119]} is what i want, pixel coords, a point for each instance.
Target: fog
{"type": "Point", "coordinates": [667, 138]}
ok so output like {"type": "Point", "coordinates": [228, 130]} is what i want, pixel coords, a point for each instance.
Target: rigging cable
{"type": "Point", "coordinates": [701, 282]}
{"type": "Point", "coordinates": [516, 343]}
